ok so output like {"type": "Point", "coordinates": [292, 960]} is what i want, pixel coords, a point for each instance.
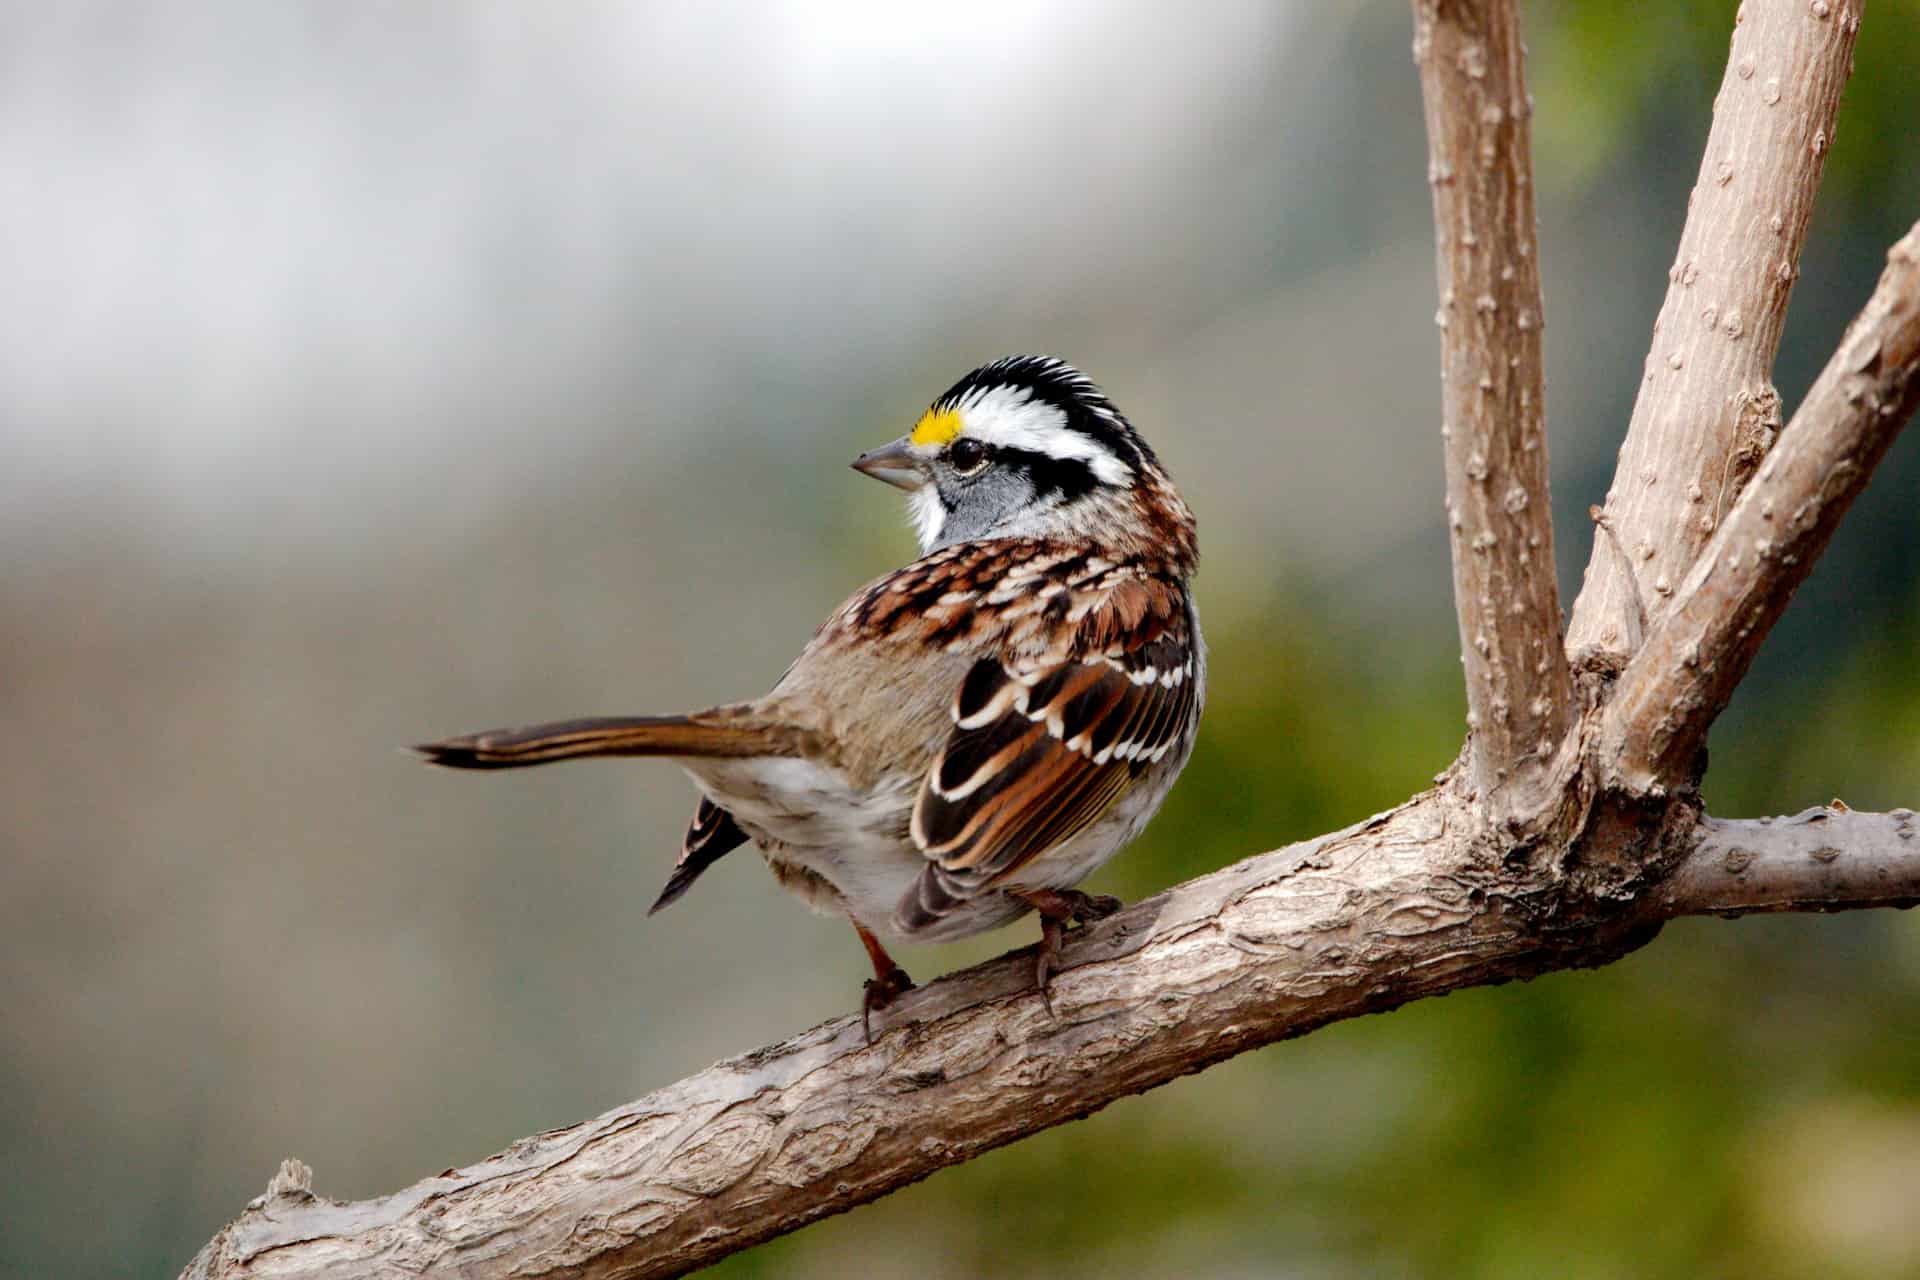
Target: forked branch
{"type": "Point", "coordinates": [1682, 677]}
{"type": "Point", "coordinates": [1707, 411]}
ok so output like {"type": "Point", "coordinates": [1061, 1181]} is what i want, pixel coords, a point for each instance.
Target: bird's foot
{"type": "Point", "coordinates": [889, 980]}
{"type": "Point", "coordinates": [1058, 908]}
{"type": "Point", "coordinates": [1085, 908]}
{"type": "Point", "coordinates": [879, 992]}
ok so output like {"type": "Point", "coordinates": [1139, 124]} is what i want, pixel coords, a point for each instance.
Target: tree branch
{"type": "Point", "coordinates": [1493, 403]}
{"type": "Point", "coordinates": [1707, 411]}
{"type": "Point", "coordinates": [1411, 903]}
{"type": "Point", "coordinates": [1670, 693]}
{"type": "Point", "coordinates": [1830, 859]}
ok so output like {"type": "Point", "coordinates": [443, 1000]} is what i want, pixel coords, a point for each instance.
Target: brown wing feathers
{"type": "Point", "coordinates": [1041, 749]}
{"type": "Point", "coordinates": [711, 835]}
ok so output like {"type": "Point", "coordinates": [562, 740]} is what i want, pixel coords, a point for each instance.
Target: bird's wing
{"type": "Point", "coordinates": [1044, 742]}
{"type": "Point", "coordinates": [710, 836]}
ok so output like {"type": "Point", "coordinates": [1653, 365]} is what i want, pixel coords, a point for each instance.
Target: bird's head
{"type": "Point", "coordinates": [1029, 447]}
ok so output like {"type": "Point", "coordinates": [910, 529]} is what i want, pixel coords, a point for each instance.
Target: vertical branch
{"type": "Point", "coordinates": [1707, 411]}
{"type": "Point", "coordinates": [1493, 430]}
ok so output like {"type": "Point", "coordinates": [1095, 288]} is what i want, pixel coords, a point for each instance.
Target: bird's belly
{"type": "Point", "coordinates": [813, 825]}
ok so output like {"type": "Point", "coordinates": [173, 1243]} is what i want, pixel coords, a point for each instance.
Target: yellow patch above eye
{"type": "Point", "coordinates": [936, 427]}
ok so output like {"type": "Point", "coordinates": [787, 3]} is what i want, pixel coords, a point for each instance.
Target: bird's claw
{"type": "Point", "coordinates": [1088, 907]}
{"type": "Point", "coordinates": [878, 993]}
{"type": "Point", "coordinates": [1057, 908]}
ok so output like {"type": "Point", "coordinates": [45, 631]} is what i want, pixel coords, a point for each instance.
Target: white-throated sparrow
{"type": "Point", "coordinates": [968, 737]}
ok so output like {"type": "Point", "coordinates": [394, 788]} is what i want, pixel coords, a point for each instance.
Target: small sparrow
{"type": "Point", "coordinates": [968, 737]}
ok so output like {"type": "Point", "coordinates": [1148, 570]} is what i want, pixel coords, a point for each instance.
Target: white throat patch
{"type": "Point", "coordinates": [929, 516]}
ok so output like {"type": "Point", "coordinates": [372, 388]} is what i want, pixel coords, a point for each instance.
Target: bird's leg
{"type": "Point", "coordinates": [888, 981]}
{"type": "Point", "coordinates": [1058, 907]}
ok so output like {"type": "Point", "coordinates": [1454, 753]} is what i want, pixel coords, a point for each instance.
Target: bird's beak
{"type": "Point", "coordinates": [896, 463]}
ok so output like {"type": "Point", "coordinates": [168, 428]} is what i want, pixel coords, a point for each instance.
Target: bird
{"type": "Point", "coordinates": [968, 737]}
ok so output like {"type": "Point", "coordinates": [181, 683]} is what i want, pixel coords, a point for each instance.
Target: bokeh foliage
{"type": "Point", "coordinates": [1622, 74]}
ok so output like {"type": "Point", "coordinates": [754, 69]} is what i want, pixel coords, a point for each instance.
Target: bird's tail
{"type": "Point", "coordinates": [703, 734]}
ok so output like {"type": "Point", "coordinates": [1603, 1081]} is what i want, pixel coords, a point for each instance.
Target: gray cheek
{"type": "Point", "coordinates": [975, 508]}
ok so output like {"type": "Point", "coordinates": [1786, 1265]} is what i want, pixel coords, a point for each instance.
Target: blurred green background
{"type": "Point", "coordinates": [370, 372]}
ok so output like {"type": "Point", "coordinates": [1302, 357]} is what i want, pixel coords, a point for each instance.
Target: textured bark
{"type": "Point", "coordinates": [1564, 837]}
{"type": "Point", "coordinates": [1682, 677]}
{"type": "Point", "coordinates": [1493, 401]}
{"type": "Point", "coordinates": [1707, 410]}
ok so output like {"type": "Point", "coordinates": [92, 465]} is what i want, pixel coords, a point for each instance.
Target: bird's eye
{"type": "Point", "coordinates": [967, 455]}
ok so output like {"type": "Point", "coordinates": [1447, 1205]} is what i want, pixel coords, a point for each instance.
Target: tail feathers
{"type": "Point", "coordinates": [613, 736]}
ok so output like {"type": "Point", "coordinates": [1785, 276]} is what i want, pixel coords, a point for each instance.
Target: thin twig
{"type": "Point", "coordinates": [1830, 859]}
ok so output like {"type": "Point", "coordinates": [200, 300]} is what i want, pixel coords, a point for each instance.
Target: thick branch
{"type": "Point", "coordinates": [1707, 411]}
{"type": "Point", "coordinates": [1830, 859]}
{"type": "Point", "coordinates": [1682, 677]}
{"type": "Point", "coordinates": [1412, 903]}
{"type": "Point", "coordinates": [1493, 407]}
{"type": "Point", "coordinates": [762, 1144]}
